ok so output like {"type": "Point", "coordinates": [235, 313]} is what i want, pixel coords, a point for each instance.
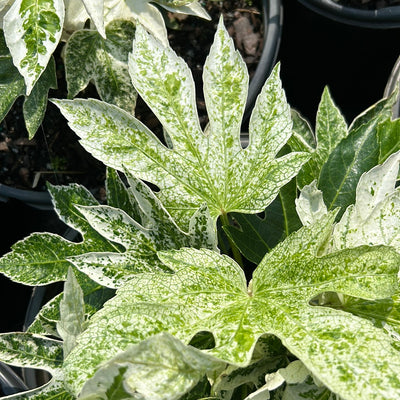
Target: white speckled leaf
{"type": "Point", "coordinates": [208, 292]}
{"type": "Point", "coordinates": [32, 29]}
{"type": "Point", "coordinates": [210, 168]}
{"type": "Point", "coordinates": [106, 63]}
{"type": "Point", "coordinates": [159, 368]}
{"type": "Point", "coordinates": [375, 217]}
{"type": "Point", "coordinates": [12, 86]}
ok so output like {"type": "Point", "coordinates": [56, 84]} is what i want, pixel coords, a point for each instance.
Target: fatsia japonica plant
{"type": "Point", "coordinates": [98, 36]}
{"type": "Point", "coordinates": [154, 308]}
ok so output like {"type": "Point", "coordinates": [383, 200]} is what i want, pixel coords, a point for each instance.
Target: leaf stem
{"type": "Point", "coordinates": [235, 251]}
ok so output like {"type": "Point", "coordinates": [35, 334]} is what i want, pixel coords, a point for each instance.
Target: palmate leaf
{"type": "Point", "coordinates": [208, 292]}
{"type": "Point", "coordinates": [106, 63]}
{"type": "Point", "coordinates": [114, 245]}
{"type": "Point", "coordinates": [209, 167]}
{"type": "Point", "coordinates": [32, 29]}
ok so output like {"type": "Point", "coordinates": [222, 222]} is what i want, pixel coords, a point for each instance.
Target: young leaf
{"type": "Point", "coordinates": [200, 168]}
{"type": "Point", "coordinates": [94, 298]}
{"type": "Point", "coordinates": [32, 29]}
{"type": "Point", "coordinates": [310, 205]}
{"type": "Point", "coordinates": [106, 63]}
{"type": "Point", "coordinates": [160, 367]}
{"type": "Point", "coordinates": [208, 292]}
{"type": "Point", "coordinates": [353, 156]}
{"type": "Point", "coordinates": [72, 313]}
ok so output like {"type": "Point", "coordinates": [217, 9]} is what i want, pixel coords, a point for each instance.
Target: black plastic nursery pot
{"type": "Point", "coordinates": [381, 18]}
{"type": "Point", "coordinates": [272, 20]}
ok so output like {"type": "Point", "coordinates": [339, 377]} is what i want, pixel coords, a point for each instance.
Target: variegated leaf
{"type": "Point", "coordinates": [12, 86]}
{"type": "Point", "coordinates": [159, 368]}
{"type": "Point", "coordinates": [200, 168]}
{"type": "Point", "coordinates": [106, 63]}
{"type": "Point", "coordinates": [208, 292]}
{"type": "Point", "coordinates": [375, 216]}
{"type": "Point", "coordinates": [32, 29]}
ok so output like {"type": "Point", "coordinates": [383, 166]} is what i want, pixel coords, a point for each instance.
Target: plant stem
{"type": "Point", "coordinates": [235, 251]}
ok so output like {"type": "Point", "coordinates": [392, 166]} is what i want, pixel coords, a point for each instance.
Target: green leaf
{"type": "Point", "coordinates": [72, 313]}
{"type": "Point", "coordinates": [389, 138]}
{"type": "Point", "coordinates": [208, 292]}
{"type": "Point", "coordinates": [355, 154]}
{"type": "Point", "coordinates": [39, 259]}
{"type": "Point", "coordinates": [160, 367]}
{"type": "Point", "coordinates": [159, 232]}
{"type": "Point", "coordinates": [330, 129]}
{"type": "Point", "coordinates": [36, 103]}
{"type": "Point", "coordinates": [42, 258]}
{"type": "Point", "coordinates": [212, 167]}
{"type": "Point", "coordinates": [32, 29]}
{"type": "Point", "coordinates": [106, 63]}
{"type": "Point", "coordinates": [256, 235]}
